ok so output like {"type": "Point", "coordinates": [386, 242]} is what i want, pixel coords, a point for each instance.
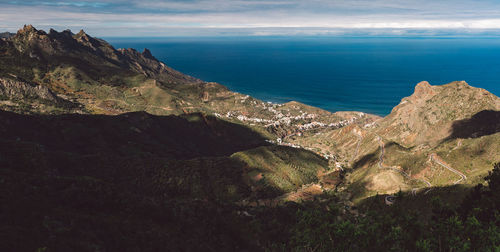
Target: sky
{"type": "Point", "coordinates": [132, 18]}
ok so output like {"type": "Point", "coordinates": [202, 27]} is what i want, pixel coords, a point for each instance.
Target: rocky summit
{"type": "Point", "coordinates": [106, 149]}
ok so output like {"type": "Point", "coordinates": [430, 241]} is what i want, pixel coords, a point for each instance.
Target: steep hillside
{"type": "Point", "coordinates": [440, 135]}
{"type": "Point", "coordinates": [89, 135]}
{"type": "Point", "coordinates": [89, 71]}
{"type": "Point", "coordinates": [100, 79]}
{"type": "Point", "coordinates": [434, 137]}
{"type": "Point", "coordinates": [62, 72]}
{"type": "Point", "coordinates": [283, 168]}
{"type": "Point", "coordinates": [105, 149]}
{"type": "Point", "coordinates": [133, 182]}
{"type": "Point", "coordinates": [427, 116]}
{"type": "Point", "coordinates": [69, 180]}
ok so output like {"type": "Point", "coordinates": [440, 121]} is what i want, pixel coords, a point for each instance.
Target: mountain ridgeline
{"type": "Point", "coordinates": [105, 149]}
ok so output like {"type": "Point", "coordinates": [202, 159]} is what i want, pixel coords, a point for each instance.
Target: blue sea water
{"type": "Point", "coordinates": [334, 73]}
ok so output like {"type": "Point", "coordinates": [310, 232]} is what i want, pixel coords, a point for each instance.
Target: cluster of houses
{"type": "Point", "coordinates": [279, 141]}
{"type": "Point", "coordinates": [279, 118]}
{"type": "Point", "coordinates": [314, 125]}
{"type": "Point", "coordinates": [234, 114]}
{"type": "Point", "coordinates": [369, 125]}
{"type": "Point", "coordinates": [254, 119]}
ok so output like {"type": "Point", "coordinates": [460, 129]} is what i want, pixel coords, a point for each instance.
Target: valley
{"type": "Point", "coordinates": [103, 142]}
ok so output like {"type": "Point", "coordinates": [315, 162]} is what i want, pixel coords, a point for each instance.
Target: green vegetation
{"type": "Point", "coordinates": [284, 168]}
{"type": "Point", "coordinates": [133, 182]}
{"type": "Point", "coordinates": [129, 182]}
{"type": "Point", "coordinates": [473, 225]}
{"type": "Point", "coordinates": [92, 197]}
{"type": "Point", "coordinates": [111, 150]}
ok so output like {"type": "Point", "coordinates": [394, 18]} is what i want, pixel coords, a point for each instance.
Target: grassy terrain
{"type": "Point", "coordinates": [100, 167]}
{"type": "Point", "coordinates": [284, 168]}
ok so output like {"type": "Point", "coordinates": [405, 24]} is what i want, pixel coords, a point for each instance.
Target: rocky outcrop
{"type": "Point", "coordinates": [149, 66]}
{"type": "Point", "coordinates": [57, 47]}
{"type": "Point", "coordinates": [427, 115]}
{"type": "Point", "coordinates": [423, 90]}
{"type": "Point", "coordinates": [147, 54]}
{"type": "Point", "coordinates": [21, 90]}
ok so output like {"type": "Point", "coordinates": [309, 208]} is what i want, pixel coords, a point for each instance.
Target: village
{"type": "Point", "coordinates": [293, 122]}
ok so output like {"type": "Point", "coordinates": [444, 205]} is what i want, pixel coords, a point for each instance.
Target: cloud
{"type": "Point", "coordinates": [61, 3]}
{"type": "Point", "coordinates": [254, 17]}
{"type": "Point", "coordinates": [211, 6]}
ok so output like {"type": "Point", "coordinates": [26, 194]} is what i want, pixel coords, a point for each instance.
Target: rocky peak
{"type": "Point", "coordinates": [128, 51]}
{"type": "Point", "coordinates": [423, 90]}
{"type": "Point", "coordinates": [134, 54]}
{"type": "Point", "coordinates": [28, 33]}
{"type": "Point", "coordinates": [65, 33]}
{"type": "Point", "coordinates": [86, 40]}
{"type": "Point", "coordinates": [422, 86]}
{"type": "Point", "coordinates": [27, 29]}
{"type": "Point", "coordinates": [147, 54]}
{"type": "Point", "coordinates": [65, 37]}
{"type": "Point", "coordinates": [427, 115]}
{"type": "Point", "coordinates": [459, 85]}
{"type": "Point", "coordinates": [39, 45]}
{"type": "Point", "coordinates": [82, 35]}
{"type": "Point", "coordinates": [28, 39]}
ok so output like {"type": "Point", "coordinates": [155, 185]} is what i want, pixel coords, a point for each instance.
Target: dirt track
{"type": "Point", "coordinates": [434, 157]}
{"type": "Point", "coordinates": [381, 166]}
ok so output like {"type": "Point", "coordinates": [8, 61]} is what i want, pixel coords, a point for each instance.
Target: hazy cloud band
{"type": "Point", "coordinates": [256, 17]}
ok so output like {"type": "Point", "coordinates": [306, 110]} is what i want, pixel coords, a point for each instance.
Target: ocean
{"type": "Point", "coordinates": [334, 73]}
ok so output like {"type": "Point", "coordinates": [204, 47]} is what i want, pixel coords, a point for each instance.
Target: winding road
{"type": "Point", "coordinates": [406, 175]}
{"type": "Point", "coordinates": [434, 157]}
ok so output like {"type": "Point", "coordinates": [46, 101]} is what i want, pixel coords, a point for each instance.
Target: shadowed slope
{"type": "Point", "coordinates": [486, 122]}
{"type": "Point", "coordinates": [129, 182]}
{"type": "Point", "coordinates": [179, 137]}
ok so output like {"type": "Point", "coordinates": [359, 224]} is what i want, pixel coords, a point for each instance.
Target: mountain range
{"type": "Point", "coordinates": [103, 142]}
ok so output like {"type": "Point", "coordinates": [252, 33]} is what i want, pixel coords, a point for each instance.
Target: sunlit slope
{"type": "Point", "coordinates": [441, 135]}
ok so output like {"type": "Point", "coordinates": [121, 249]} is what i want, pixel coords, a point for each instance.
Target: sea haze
{"type": "Point", "coordinates": [336, 74]}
